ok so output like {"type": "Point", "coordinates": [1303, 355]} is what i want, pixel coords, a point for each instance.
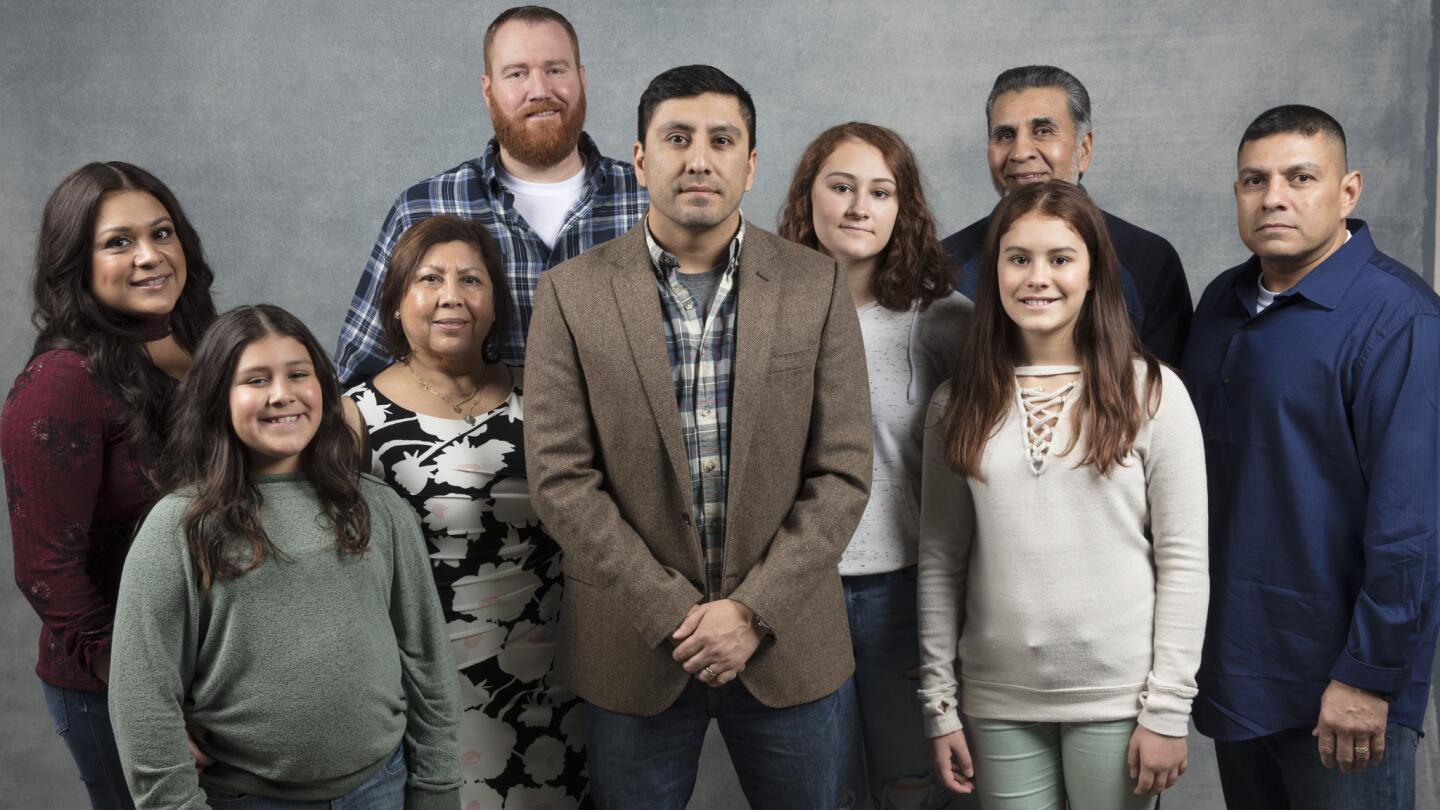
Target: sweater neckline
{"type": "Point", "coordinates": [279, 478]}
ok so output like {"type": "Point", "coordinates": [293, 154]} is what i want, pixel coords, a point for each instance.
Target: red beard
{"type": "Point", "coordinates": [540, 144]}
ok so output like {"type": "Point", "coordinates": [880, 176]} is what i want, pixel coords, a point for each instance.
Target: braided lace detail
{"type": "Point", "coordinates": [1042, 411]}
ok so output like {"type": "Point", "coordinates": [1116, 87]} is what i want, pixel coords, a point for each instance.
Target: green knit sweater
{"type": "Point", "coordinates": [299, 678]}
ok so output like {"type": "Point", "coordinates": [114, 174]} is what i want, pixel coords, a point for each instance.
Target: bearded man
{"type": "Point", "coordinates": [541, 189]}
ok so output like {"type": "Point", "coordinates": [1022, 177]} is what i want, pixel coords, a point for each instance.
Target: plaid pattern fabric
{"type": "Point", "coordinates": [702, 352]}
{"type": "Point", "coordinates": [610, 205]}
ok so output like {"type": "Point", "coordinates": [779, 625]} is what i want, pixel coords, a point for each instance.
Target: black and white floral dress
{"type": "Point", "coordinates": [498, 576]}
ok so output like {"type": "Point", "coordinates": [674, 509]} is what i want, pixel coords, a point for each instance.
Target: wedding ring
{"type": "Point", "coordinates": [1362, 749]}
{"type": "Point", "coordinates": [713, 673]}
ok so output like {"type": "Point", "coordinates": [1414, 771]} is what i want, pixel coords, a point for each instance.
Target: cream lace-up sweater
{"type": "Point", "coordinates": [1060, 595]}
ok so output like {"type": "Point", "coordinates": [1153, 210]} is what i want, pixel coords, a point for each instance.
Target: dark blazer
{"type": "Point", "coordinates": [609, 477]}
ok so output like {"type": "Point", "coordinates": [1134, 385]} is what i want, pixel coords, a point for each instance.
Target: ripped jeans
{"type": "Point", "coordinates": [893, 766]}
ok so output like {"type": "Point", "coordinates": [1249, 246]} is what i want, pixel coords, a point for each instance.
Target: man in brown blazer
{"type": "Point", "coordinates": [698, 442]}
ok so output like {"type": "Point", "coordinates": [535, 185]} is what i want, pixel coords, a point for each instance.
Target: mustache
{"type": "Point", "coordinates": [541, 106]}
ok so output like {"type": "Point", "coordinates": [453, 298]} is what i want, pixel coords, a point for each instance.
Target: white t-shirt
{"type": "Point", "coordinates": [544, 205]}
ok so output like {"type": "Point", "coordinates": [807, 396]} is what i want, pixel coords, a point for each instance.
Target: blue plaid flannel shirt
{"type": "Point", "coordinates": [611, 203]}
{"type": "Point", "coordinates": [702, 353]}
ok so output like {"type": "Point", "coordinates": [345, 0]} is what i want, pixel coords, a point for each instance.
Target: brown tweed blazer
{"type": "Point", "coordinates": [609, 477]}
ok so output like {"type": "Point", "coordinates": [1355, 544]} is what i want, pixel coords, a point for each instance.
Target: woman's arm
{"type": "Point", "coordinates": [429, 675]}
{"type": "Point", "coordinates": [53, 440]}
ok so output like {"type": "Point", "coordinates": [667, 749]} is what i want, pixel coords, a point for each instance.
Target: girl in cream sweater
{"type": "Point", "coordinates": [1063, 549]}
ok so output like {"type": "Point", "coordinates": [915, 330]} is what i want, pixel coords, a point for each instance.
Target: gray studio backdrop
{"type": "Point", "coordinates": [287, 129]}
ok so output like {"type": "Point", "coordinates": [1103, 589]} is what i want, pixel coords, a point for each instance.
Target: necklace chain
{"type": "Point", "coordinates": [468, 414]}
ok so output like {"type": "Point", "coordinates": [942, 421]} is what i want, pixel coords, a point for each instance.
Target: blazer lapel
{"type": "Point", "coordinates": [755, 324]}
{"type": "Point", "coordinates": [644, 322]}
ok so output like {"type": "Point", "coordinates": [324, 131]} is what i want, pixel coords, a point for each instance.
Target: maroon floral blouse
{"type": "Point", "coordinates": [75, 496]}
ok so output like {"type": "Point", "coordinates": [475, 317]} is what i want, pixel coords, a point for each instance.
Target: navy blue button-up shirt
{"type": "Point", "coordinates": [1322, 443]}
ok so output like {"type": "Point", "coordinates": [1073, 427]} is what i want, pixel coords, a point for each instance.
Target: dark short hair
{"type": "Point", "coordinates": [534, 15]}
{"type": "Point", "coordinates": [1030, 77]}
{"type": "Point", "coordinates": [689, 81]}
{"type": "Point", "coordinates": [1299, 119]}
{"type": "Point", "coordinates": [408, 253]}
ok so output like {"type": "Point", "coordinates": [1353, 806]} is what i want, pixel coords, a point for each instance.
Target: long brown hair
{"type": "Point", "coordinates": [205, 458]}
{"type": "Point", "coordinates": [1108, 412]}
{"type": "Point", "coordinates": [68, 316]}
{"type": "Point", "coordinates": [912, 267]}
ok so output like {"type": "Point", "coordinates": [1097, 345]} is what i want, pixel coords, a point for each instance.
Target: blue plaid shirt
{"type": "Point", "coordinates": [611, 203]}
{"type": "Point", "coordinates": [701, 346]}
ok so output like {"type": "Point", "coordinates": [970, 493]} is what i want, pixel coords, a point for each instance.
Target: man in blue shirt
{"type": "Point", "coordinates": [541, 189]}
{"type": "Point", "coordinates": [1315, 370]}
{"type": "Point", "coordinates": [1038, 122]}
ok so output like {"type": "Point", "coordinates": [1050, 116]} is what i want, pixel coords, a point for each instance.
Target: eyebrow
{"type": "Point", "coordinates": [681, 126]}
{"type": "Point", "coordinates": [1308, 166]}
{"type": "Point", "coordinates": [1025, 249]}
{"type": "Point", "coordinates": [126, 228]}
{"type": "Point", "coordinates": [254, 369]}
{"type": "Point", "coordinates": [466, 269]}
{"type": "Point", "coordinates": [545, 64]}
{"type": "Point", "coordinates": [848, 175]}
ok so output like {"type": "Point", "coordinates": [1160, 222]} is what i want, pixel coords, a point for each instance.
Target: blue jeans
{"type": "Point", "coordinates": [384, 790]}
{"type": "Point", "coordinates": [787, 759]}
{"type": "Point", "coordinates": [895, 756]}
{"type": "Point", "coordinates": [1283, 770]}
{"type": "Point", "coordinates": [82, 719]}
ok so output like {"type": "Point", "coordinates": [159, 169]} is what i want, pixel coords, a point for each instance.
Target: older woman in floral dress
{"type": "Point", "coordinates": [444, 427]}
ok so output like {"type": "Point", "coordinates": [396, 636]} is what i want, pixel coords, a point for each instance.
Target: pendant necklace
{"type": "Point", "coordinates": [468, 414]}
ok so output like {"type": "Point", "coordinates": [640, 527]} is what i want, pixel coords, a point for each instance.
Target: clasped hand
{"type": "Point", "coordinates": [716, 640]}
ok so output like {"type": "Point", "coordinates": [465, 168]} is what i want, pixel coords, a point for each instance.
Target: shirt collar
{"type": "Point", "coordinates": [589, 153]}
{"type": "Point", "coordinates": [665, 264]}
{"type": "Point", "coordinates": [1327, 283]}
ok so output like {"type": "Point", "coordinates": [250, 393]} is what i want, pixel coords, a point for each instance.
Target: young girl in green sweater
{"type": "Point", "coordinates": [278, 640]}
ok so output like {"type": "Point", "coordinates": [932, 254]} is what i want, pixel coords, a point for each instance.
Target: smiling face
{"type": "Point", "coordinates": [854, 202]}
{"type": "Point", "coordinates": [275, 403]}
{"type": "Point", "coordinates": [535, 91]}
{"type": "Point", "coordinates": [1044, 277]}
{"type": "Point", "coordinates": [1032, 139]}
{"type": "Point", "coordinates": [449, 306]}
{"type": "Point", "coordinates": [1292, 196]}
{"type": "Point", "coordinates": [137, 266]}
{"type": "Point", "coordinates": [696, 162]}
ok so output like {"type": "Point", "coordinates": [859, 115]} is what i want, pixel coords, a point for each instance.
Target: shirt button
{"type": "Point", "coordinates": [1224, 380]}
{"type": "Point", "coordinates": [705, 412]}
{"type": "Point", "coordinates": [689, 306]}
{"type": "Point", "coordinates": [708, 466]}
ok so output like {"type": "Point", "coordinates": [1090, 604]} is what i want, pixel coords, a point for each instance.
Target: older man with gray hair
{"type": "Point", "coordinates": [1038, 121]}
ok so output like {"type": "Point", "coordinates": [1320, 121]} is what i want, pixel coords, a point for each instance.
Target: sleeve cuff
{"type": "Point", "coordinates": [1388, 681]}
{"type": "Point", "coordinates": [417, 799]}
{"type": "Point", "coordinates": [941, 711]}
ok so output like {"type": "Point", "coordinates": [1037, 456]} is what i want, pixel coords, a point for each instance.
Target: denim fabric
{"type": "Point", "coordinates": [786, 759]}
{"type": "Point", "coordinates": [385, 790]}
{"type": "Point", "coordinates": [892, 748]}
{"type": "Point", "coordinates": [82, 719]}
{"type": "Point", "coordinates": [1283, 770]}
{"type": "Point", "coordinates": [1053, 766]}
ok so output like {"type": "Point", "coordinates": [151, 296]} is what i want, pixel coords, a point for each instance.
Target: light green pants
{"type": "Point", "coordinates": [1037, 766]}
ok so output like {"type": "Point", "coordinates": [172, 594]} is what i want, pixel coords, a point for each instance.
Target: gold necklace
{"type": "Point", "coordinates": [468, 415]}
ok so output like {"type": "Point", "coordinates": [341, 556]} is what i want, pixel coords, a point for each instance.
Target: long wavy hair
{"type": "Point", "coordinates": [1107, 412]}
{"type": "Point", "coordinates": [912, 267]}
{"type": "Point", "coordinates": [205, 459]}
{"type": "Point", "coordinates": [68, 316]}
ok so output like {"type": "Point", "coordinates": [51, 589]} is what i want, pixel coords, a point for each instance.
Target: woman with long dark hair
{"type": "Point", "coordinates": [1063, 548]}
{"type": "Point", "coordinates": [857, 197]}
{"type": "Point", "coordinates": [121, 296]}
{"type": "Point", "coordinates": [277, 603]}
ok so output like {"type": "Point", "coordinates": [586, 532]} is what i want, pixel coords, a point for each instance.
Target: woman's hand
{"type": "Point", "coordinates": [1156, 761]}
{"type": "Point", "coordinates": [951, 757]}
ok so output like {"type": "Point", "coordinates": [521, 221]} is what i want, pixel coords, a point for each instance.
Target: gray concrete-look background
{"type": "Point", "coordinates": [287, 129]}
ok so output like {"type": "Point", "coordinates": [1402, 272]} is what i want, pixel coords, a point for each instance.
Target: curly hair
{"type": "Point", "coordinates": [913, 267]}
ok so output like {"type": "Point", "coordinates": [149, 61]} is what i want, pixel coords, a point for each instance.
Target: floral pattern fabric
{"type": "Point", "coordinates": [498, 576]}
